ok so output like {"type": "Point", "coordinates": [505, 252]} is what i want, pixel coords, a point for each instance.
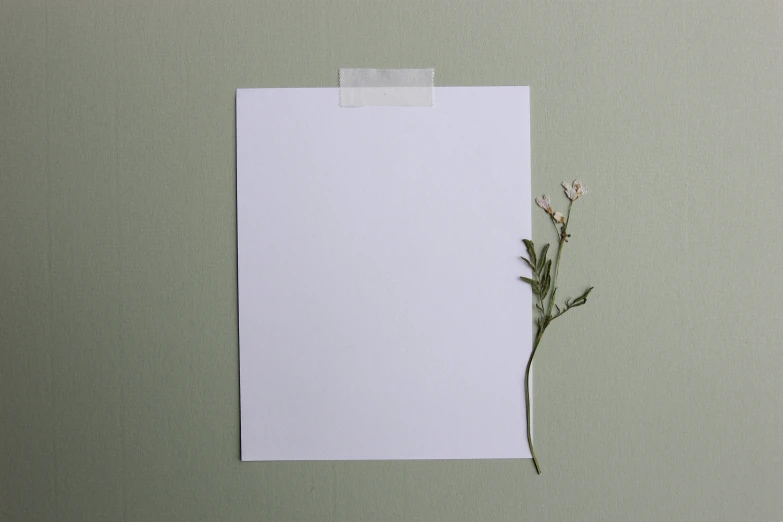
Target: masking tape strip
{"type": "Point", "coordinates": [387, 87]}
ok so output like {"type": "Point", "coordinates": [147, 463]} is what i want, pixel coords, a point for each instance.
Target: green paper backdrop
{"type": "Point", "coordinates": [662, 399]}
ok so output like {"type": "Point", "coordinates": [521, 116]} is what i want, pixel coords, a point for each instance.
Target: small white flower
{"type": "Point", "coordinates": [569, 190]}
{"type": "Point", "coordinates": [574, 191]}
{"type": "Point", "coordinates": [581, 188]}
{"type": "Point", "coordinates": [560, 218]}
{"type": "Point", "coordinates": [545, 203]}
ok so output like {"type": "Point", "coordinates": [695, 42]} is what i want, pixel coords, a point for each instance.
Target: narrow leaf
{"type": "Point", "coordinates": [581, 300]}
{"type": "Point", "coordinates": [526, 260]}
{"type": "Point", "coordinates": [542, 258]}
{"type": "Point", "coordinates": [546, 276]}
{"type": "Point", "coordinates": [531, 251]}
{"type": "Point", "coordinates": [533, 284]}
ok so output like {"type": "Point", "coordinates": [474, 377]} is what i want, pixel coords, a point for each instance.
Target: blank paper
{"type": "Point", "coordinates": [381, 314]}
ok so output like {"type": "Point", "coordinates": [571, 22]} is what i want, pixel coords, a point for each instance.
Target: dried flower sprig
{"type": "Point", "coordinates": [545, 280]}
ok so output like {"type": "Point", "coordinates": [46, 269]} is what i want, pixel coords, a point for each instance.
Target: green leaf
{"type": "Point", "coordinates": [531, 251]}
{"type": "Point", "coordinates": [542, 258]}
{"type": "Point", "coordinates": [582, 299]}
{"type": "Point", "coordinates": [545, 278]}
{"type": "Point", "coordinates": [579, 301]}
{"type": "Point", "coordinates": [526, 260]}
{"type": "Point", "coordinates": [534, 284]}
{"type": "Point", "coordinates": [587, 292]}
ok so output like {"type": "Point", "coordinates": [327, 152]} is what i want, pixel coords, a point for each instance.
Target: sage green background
{"type": "Point", "coordinates": [660, 400]}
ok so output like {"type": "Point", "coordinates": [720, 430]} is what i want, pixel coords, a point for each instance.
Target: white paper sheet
{"type": "Point", "coordinates": [380, 311]}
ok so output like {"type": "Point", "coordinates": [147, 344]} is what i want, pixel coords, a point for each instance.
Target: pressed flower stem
{"type": "Point", "coordinates": [561, 243]}
{"type": "Point", "coordinates": [542, 325]}
{"type": "Point", "coordinates": [527, 397]}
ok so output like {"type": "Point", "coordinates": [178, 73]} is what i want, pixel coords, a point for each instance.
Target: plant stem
{"type": "Point", "coordinates": [554, 224]}
{"type": "Point", "coordinates": [541, 328]}
{"type": "Point", "coordinates": [539, 335]}
{"type": "Point", "coordinates": [560, 244]}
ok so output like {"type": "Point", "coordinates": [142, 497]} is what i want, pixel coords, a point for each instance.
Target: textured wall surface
{"type": "Point", "coordinates": [660, 400]}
